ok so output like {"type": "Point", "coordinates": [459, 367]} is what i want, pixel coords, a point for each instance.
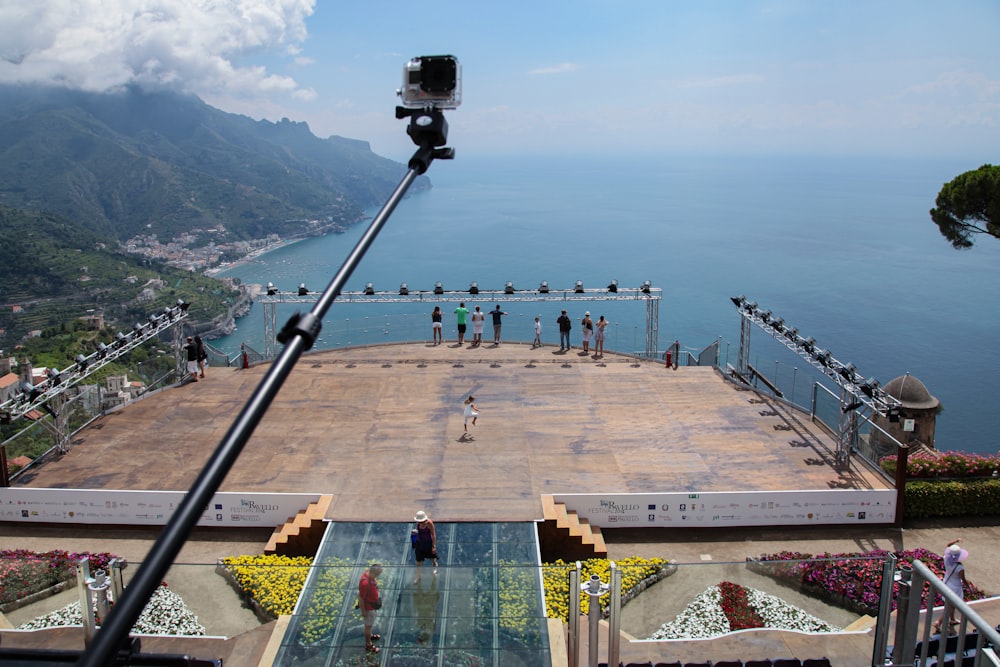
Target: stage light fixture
{"type": "Point", "coordinates": [894, 414]}
{"type": "Point", "coordinates": [851, 406]}
{"type": "Point", "coordinates": [54, 376]}
{"type": "Point", "coordinates": [508, 288]}
{"type": "Point", "coordinates": [870, 387]}
{"type": "Point", "coordinates": [138, 327]}
{"type": "Point", "coordinates": [613, 287]}
{"type": "Point", "coordinates": [438, 288]}
{"type": "Point", "coordinates": [739, 301]}
{"type": "Point", "coordinates": [809, 344]}
{"type": "Point", "coordinates": [271, 289]}
{"type": "Point", "coordinates": [792, 333]}
{"type": "Point", "coordinates": [154, 318]}
{"type": "Point", "coordinates": [120, 339]}
{"type": "Point", "coordinates": [473, 287]}
{"type": "Point", "coordinates": [369, 289]}
{"type": "Point", "coordinates": [778, 325]}
{"type": "Point", "coordinates": [30, 391]}
{"type": "Point", "coordinates": [183, 305]}
{"type": "Point", "coordinates": [646, 286]}
{"type": "Point", "coordinates": [82, 363]}
{"type": "Point", "coordinates": [765, 316]}
{"type": "Point", "coordinates": [848, 372]}
{"type": "Point", "coordinates": [824, 357]}
{"type": "Point", "coordinates": [578, 289]}
{"type": "Point", "coordinates": [303, 290]}
{"type": "Point", "coordinates": [403, 289]}
{"type": "Point", "coordinates": [751, 307]}
{"type": "Point", "coordinates": [102, 350]}
{"type": "Point", "coordinates": [544, 287]}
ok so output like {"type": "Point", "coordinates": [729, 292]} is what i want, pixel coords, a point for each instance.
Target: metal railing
{"type": "Point", "coordinates": [915, 640]}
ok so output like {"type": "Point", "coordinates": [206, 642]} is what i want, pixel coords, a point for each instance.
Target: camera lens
{"type": "Point", "coordinates": [437, 74]}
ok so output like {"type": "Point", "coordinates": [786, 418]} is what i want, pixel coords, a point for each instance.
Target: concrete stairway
{"type": "Point", "coordinates": [565, 535]}
{"type": "Point", "coordinates": [302, 533]}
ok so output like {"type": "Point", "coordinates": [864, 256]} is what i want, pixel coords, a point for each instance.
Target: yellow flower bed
{"type": "Point", "coordinates": [275, 582]}
{"type": "Point", "coordinates": [556, 580]}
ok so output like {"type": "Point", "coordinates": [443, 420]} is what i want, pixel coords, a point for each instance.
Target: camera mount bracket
{"type": "Point", "coordinates": [428, 129]}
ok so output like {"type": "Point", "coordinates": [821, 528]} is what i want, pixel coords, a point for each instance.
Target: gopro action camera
{"type": "Point", "coordinates": [432, 82]}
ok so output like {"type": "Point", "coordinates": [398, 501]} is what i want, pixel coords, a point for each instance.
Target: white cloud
{"type": "Point", "coordinates": [193, 46]}
{"type": "Point", "coordinates": [561, 68]}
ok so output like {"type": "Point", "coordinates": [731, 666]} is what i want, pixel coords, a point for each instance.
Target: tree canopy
{"type": "Point", "coordinates": [968, 205]}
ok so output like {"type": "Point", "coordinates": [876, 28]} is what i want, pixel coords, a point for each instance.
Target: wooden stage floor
{"type": "Point", "coordinates": [380, 428]}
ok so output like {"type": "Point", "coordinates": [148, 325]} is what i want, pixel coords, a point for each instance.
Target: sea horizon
{"type": "Point", "coordinates": [841, 248]}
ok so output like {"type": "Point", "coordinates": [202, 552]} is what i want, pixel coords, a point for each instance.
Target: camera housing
{"type": "Point", "coordinates": [432, 82]}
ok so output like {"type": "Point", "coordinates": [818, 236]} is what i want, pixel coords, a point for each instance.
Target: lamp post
{"type": "Point", "coordinates": [595, 588]}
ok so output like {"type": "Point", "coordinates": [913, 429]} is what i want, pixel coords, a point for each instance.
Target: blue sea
{"type": "Point", "coordinates": [841, 248]}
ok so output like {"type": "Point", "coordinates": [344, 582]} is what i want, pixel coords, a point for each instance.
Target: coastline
{"type": "Point", "coordinates": [251, 256]}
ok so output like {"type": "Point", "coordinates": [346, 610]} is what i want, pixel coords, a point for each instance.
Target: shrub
{"type": "Point", "coordinates": [939, 499]}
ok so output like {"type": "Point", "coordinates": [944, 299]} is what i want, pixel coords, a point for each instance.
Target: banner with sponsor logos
{"type": "Point", "coordinates": [145, 508]}
{"type": "Point", "coordinates": [737, 508]}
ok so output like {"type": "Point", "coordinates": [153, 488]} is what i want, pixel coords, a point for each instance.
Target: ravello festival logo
{"type": "Point", "coordinates": [612, 507]}
{"type": "Point", "coordinates": [253, 507]}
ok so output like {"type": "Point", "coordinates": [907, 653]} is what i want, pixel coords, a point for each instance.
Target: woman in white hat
{"type": "Point", "coordinates": [954, 576]}
{"type": "Point", "coordinates": [425, 542]}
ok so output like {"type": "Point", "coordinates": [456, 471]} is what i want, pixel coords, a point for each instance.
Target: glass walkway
{"type": "Point", "coordinates": [484, 607]}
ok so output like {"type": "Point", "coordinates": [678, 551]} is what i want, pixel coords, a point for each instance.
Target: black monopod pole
{"type": "Point", "coordinates": [110, 644]}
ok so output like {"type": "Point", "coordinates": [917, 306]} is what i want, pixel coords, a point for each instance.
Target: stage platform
{"type": "Point", "coordinates": [380, 428]}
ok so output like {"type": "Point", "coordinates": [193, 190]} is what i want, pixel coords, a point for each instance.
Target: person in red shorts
{"type": "Point", "coordinates": [369, 601]}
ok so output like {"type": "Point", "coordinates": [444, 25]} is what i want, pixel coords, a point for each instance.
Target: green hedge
{"type": "Point", "coordinates": [926, 500]}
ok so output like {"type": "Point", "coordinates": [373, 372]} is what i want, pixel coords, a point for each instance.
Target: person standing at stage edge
{"type": "Point", "coordinates": [497, 323]}
{"type": "Point", "coordinates": [192, 358]}
{"type": "Point", "coordinates": [461, 313]}
{"type": "Point", "coordinates": [588, 331]}
{"type": "Point", "coordinates": [565, 325]}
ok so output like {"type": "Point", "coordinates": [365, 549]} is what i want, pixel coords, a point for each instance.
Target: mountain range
{"type": "Point", "coordinates": [80, 173]}
{"type": "Point", "coordinates": [135, 162]}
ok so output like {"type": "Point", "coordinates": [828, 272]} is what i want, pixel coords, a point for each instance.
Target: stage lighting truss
{"type": "Point", "coordinates": [438, 294]}
{"type": "Point", "coordinates": [867, 391]}
{"type": "Point", "coordinates": [855, 391]}
{"type": "Point", "coordinates": [34, 397]}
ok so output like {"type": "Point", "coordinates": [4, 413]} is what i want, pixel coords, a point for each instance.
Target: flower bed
{"type": "Point", "coordinates": [637, 575]}
{"type": "Point", "coordinates": [847, 580]}
{"type": "Point", "coordinates": [729, 607]}
{"type": "Point", "coordinates": [949, 465]}
{"type": "Point", "coordinates": [164, 614]}
{"type": "Point", "coordinates": [25, 574]}
{"type": "Point", "coordinates": [272, 585]}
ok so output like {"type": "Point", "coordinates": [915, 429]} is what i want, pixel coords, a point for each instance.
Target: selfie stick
{"type": "Point", "coordinates": [111, 645]}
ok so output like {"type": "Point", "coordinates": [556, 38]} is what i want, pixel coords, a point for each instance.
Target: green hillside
{"type": "Point", "coordinates": [136, 162]}
{"type": "Point", "coordinates": [53, 272]}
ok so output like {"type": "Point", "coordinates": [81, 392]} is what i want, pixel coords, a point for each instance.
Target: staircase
{"type": "Point", "coordinates": [301, 534]}
{"type": "Point", "coordinates": [564, 535]}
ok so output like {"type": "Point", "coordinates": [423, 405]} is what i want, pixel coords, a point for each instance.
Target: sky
{"type": "Point", "coordinates": [905, 78]}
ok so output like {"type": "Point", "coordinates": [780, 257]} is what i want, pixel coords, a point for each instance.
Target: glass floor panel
{"type": "Point", "coordinates": [484, 607]}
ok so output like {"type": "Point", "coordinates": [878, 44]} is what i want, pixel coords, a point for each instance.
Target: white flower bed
{"type": "Point", "coordinates": [704, 618]}
{"type": "Point", "coordinates": [165, 614]}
